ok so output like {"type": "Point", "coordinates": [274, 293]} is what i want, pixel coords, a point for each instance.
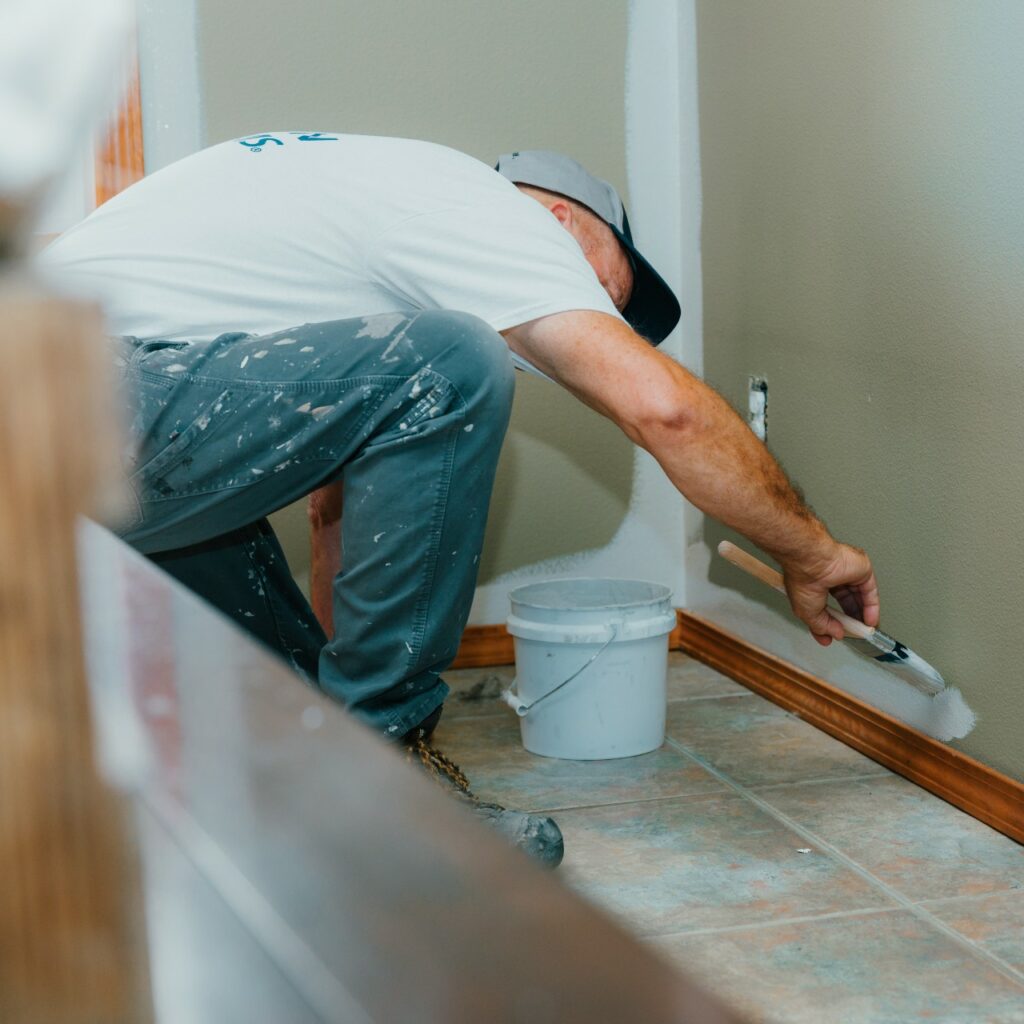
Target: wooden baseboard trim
{"type": "Point", "coordinates": [982, 792]}
{"type": "Point", "coordinates": [485, 646]}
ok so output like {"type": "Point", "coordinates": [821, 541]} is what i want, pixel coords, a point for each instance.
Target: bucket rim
{"type": "Point", "coordinates": [660, 594]}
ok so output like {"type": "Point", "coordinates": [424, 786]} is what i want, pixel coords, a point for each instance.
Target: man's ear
{"type": "Point", "coordinates": [563, 213]}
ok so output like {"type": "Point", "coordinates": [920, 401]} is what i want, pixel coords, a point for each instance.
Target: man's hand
{"type": "Point", "coordinates": [848, 576]}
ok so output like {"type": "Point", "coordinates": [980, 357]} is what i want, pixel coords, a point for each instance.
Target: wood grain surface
{"type": "Point", "coordinates": [71, 944]}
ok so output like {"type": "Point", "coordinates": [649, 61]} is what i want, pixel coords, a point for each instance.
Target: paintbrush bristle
{"type": "Point", "coordinates": [900, 659]}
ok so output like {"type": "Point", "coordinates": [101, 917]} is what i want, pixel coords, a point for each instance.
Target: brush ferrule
{"type": "Point", "coordinates": [885, 643]}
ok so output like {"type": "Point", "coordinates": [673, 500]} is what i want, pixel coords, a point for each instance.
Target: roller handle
{"type": "Point", "coordinates": [766, 574]}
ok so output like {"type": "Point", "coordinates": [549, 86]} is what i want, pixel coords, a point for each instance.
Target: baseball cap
{"type": "Point", "coordinates": [653, 310]}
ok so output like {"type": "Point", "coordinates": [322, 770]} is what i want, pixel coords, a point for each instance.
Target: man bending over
{"type": "Point", "coordinates": [295, 311]}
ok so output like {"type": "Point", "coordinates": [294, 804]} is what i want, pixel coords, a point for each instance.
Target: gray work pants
{"type": "Point", "coordinates": [409, 410]}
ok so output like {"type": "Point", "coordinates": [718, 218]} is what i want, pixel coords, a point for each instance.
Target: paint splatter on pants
{"type": "Point", "coordinates": [409, 410]}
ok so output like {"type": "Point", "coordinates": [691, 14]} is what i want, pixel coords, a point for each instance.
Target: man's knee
{"type": "Point", "coordinates": [470, 353]}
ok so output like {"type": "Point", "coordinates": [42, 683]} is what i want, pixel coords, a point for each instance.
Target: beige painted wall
{"type": "Point", "coordinates": [863, 170]}
{"type": "Point", "coordinates": [484, 77]}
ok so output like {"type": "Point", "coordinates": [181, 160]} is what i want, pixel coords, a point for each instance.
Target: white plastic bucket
{"type": "Point", "coordinates": [591, 665]}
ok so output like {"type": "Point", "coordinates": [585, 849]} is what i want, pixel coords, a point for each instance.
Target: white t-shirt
{"type": "Point", "coordinates": [276, 230]}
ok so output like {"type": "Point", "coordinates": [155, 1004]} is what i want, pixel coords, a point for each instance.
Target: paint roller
{"type": "Point", "coordinates": [865, 640]}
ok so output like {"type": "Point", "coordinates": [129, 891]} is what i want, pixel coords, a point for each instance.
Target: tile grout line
{"type": "Point", "coordinates": [781, 922]}
{"type": "Point", "coordinates": [915, 909]}
{"type": "Point", "coordinates": [883, 773]}
{"type": "Point", "coordinates": [558, 808]}
{"type": "Point", "coordinates": [502, 712]}
{"type": "Point", "coordinates": [712, 696]}
{"type": "Point", "coordinates": [1011, 893]}
{"type": "Point", "coordinates": [706, 795]}
{"type": "Point", "coordinates": [485, 717]}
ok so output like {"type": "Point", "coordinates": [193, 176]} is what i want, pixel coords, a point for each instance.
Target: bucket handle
{"type": "Point", "coordinates": [522, 709]}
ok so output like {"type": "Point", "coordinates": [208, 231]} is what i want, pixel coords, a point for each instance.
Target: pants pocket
{"type": "Point", "coordinates": [154, 479]}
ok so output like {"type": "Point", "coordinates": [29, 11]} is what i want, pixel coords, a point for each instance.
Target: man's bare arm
{"type": "Point", "coordinates": [706, 450]}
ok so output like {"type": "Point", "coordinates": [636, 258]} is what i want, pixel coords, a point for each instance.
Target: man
{"type": "Point", "coordinates": [299, 309]}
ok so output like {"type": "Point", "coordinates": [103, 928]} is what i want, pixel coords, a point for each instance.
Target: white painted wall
{"type": "Point", "coordinates": [171, 109]}
{"type": "Point", "coordinates": [662, 153]}
{"type": "Point", "coordinates": [169, 81]}
{"type": "Point", "coordinates": [62, 68]}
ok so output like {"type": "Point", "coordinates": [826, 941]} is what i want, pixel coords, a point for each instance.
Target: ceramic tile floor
{"type": "Point", "coordinates": [798, 879]}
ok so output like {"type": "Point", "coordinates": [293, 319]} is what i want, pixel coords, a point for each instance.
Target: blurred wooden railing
{"type": "Point", "coordinates": [72, 947]}
{"type": "Point", "coordinates": [119, 159]}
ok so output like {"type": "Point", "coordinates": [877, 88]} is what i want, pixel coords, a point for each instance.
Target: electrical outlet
{"type": "Point", "coordinates": [757, 407]}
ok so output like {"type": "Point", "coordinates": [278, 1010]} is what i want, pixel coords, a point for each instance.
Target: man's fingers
{"type": "Point", "coordinates": [859, 601]}
{"type": "Point", "coordinates": [869, 601]}
{"type": "Point", "coordinates": [849, 600]}
{"type": "Point", "coordinates": [828, 626]}
{"type": "Point", "coordinates": [850, 579]}
{"type": "Point", "coordinates": [811, 608]}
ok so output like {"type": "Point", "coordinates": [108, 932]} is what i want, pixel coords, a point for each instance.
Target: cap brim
{"type": "Point", "coordinates": [653, 310]}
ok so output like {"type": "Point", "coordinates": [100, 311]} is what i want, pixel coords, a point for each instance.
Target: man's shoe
{"type": "Point", "coordinates": [424, 730]}
{"type": "Point", "coordinates": [535, 835]}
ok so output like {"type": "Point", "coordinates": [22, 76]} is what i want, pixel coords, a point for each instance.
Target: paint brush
{"type": "Point", "coordinates": [865, 640]}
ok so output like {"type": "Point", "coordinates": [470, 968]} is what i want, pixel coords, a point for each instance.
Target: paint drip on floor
{"type": "Point", "coordinates": [487, 688]}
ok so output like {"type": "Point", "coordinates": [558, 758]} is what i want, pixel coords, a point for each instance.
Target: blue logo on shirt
{"type": "Point", "coordinates": [256, 143]}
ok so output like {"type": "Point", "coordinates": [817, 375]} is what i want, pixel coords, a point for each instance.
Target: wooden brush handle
{"type": "Point", "coordinates": [754, 566]}
{"type": "Point", "coordinates": [766, 574]}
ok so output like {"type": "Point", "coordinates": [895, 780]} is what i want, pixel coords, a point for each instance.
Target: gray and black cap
{"type": "Point", "coordinates": [653, 310]}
